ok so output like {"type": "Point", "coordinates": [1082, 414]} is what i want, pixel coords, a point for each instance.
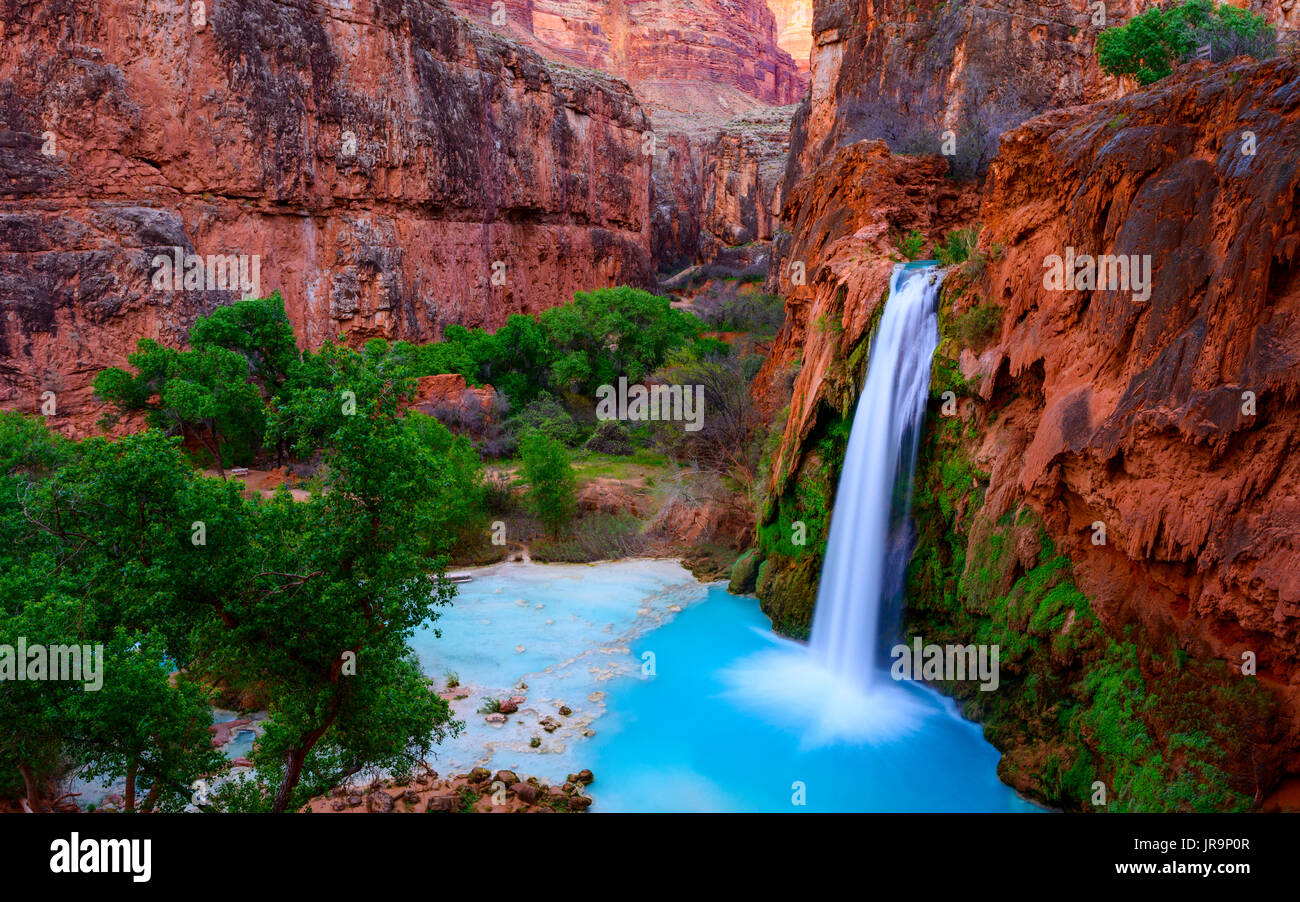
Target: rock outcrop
{"type": "Point", "coordinates": [389, 169]}
{"type": "Point", "coordinates": [1172, 420]}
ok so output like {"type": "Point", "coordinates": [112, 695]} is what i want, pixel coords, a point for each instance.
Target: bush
{"type": "Point", "coordinates": [911, 244]}
{"type": "Point", "coordinates": [610, 437]}
{"type": "Point", "coordinates": [977, 325]}
{"type": "Point", "coordinates": [548, 416]}
{"type": "Point", "coordinates": [762, 314]}
{"type": "Point", "coordinates": [1147, 46]}
{"type": "Point", "coordinates": [957, 246]}
{"type": "Point", "coordinates": [601, 537]}
{"type": "Point", "coordinates": [552, 484]}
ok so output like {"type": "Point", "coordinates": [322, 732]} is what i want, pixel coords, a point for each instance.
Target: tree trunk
{"type": "Point", "coordinates": [33, 792]}
{"type": "Point", "coordinates": [292, 774]}
{"type": "Point", "coordinates": [216, 450]}
{"type": "Point", "coordinates": [131, 770]}
{"type": "Point", "coordinates": [298, 755]}
{"type": "Point", "coordinates": [151, 798]}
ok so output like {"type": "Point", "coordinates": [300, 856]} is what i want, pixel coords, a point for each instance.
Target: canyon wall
{"type": "Point", "coordinates": [383, 162]}
{"type": "Point", "coordinates": [907, 72]}
{"type": "Point", "coordinates": [1173, 420]}
{"type": "Point", "coordinates": [1169, 421]}
{"type": "Point", "coordinates": [660, 43]}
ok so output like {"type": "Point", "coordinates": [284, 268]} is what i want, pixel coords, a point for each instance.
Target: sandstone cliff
{"type": "Point", "coordinates": [378, 162]}
{"type": "Point", "coordinates": [794, 29]}
{"type": "Point", "coordinates": [660, 45]}
{"type": "Point", "coordinates": [1172, 421]}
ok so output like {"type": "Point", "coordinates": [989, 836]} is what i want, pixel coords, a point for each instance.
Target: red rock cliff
{"type": "Point", "coordinates": [661, 43]}
{"type": "Point", "coordinates": [378, 161]}
{"type": "Point", "coordinates": [1175, 420]}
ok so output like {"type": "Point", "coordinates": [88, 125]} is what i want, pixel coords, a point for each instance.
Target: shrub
{"type": "Point", "coordinates": [602, 537]}
{"type": "Point", "coordinates": [957, 246]}
{"type": "Point", "coordinates": [911, 244]}
{"type": "Point", "coordinates": [977, 324]}
{"type": "Point", "coordinates": [1148, 45]}
{"type": "Point", "coordinates": [610, 437]}
{"type": "Point", "coordinates": [762, 314]}
{"type": "Point", "coordinates": [548, 416]}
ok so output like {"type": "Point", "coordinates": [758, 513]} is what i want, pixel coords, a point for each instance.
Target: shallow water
{"type": "Point", "coordinates": [695, 709]}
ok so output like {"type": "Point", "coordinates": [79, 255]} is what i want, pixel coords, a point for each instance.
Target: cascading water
{"type": "Point", "coordinates": [825, 690]}
{"type": "Point", "coordinates": [868, 544]}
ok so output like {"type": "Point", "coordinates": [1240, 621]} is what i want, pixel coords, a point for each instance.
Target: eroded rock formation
{"type": "Point", "coordinates": [1173, 421]}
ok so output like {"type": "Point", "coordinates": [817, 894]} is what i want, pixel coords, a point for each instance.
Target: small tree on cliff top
{"type": "Point", "coordinates": [1147, 46]}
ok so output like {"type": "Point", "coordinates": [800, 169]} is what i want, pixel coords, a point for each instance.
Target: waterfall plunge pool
{"type": "Point", "coordinates": [683, 700]}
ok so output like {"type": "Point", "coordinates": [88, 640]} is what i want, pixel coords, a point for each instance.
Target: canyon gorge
{"type": "Point", "coordinates": [395, 167]}
{"type": "Point", "coordinates": [1107, 485]}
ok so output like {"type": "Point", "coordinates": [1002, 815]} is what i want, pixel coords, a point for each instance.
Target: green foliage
{"type": "Point", "coordinates": [552, 484]}
{"type": "Point", "coordinates": [957, 246]}
{"type": "Point", "coordinates": [314, 600]}
{"type": "Point", "coordinates": [610, 333]}
{"type": "Point", "coordinates": [1163, 734]}
{"type": "Point", "coordinates": [258, 330]}
{"type": "Point", "coordinates": [1148, 45]}
{"type": "Point", "coordinates": [911, 244]}
{"type": "Point", "coordinates": [547, 415]}
{"type": "Point", "coordinates": [204, 394]}
{"type": "Point", "coordinates": [976, 325]}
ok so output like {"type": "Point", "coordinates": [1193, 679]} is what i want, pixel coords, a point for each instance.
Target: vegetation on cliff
{"type": "Point", "coordinates": [1150, 44]}
{"type": "Point", "coordinates": [1086, 720]}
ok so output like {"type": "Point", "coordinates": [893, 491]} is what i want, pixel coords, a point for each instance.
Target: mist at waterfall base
{"type": "Point", "coordinates": [682, 697]}
{"type": "Point", "coordinates": [836, 689]}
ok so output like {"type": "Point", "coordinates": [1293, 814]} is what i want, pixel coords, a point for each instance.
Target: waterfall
{"type": "Point", "coordinates": [869, 543]}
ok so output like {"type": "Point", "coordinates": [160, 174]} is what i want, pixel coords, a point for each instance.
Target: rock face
{"type": "Point", "coordinates": [834, 270]}
{"type": "Point", "coordinates": [661, 42]}
{"type": "Point", "coordinates": [708, 74]}
{"type": "Point", "coordinates": [1173, 421]}
{"type": "Point", "coordinates": [908, 72]}
{"type": "Point", "coordinates": [743, 171]}
{"type": "Point", "coordinates": [379, 168]}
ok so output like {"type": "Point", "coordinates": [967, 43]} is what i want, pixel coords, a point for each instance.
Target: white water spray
{"type": "Point", "coordinates": [871, 504]}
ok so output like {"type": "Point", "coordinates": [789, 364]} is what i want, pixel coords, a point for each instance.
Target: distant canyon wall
{"type": "Point", "coordinates": [719, 42]}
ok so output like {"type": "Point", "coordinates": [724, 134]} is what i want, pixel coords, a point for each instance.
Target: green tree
{"type": "Point", "coordinates": [145, 725]}
{"type": "Point", "coordinates": [204, 394]}
{"type": "Point", "coordinates": [613, 332]}
{"type": "Point", "coordinates": [257, 329]}
{"type": "Point", "coordinates": [1148, 45]}
{"type": "Point", "coordinates": [552, 484]}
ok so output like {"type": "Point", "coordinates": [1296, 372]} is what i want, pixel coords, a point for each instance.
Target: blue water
{"type": "Point", "coordinates": [683, 700]}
